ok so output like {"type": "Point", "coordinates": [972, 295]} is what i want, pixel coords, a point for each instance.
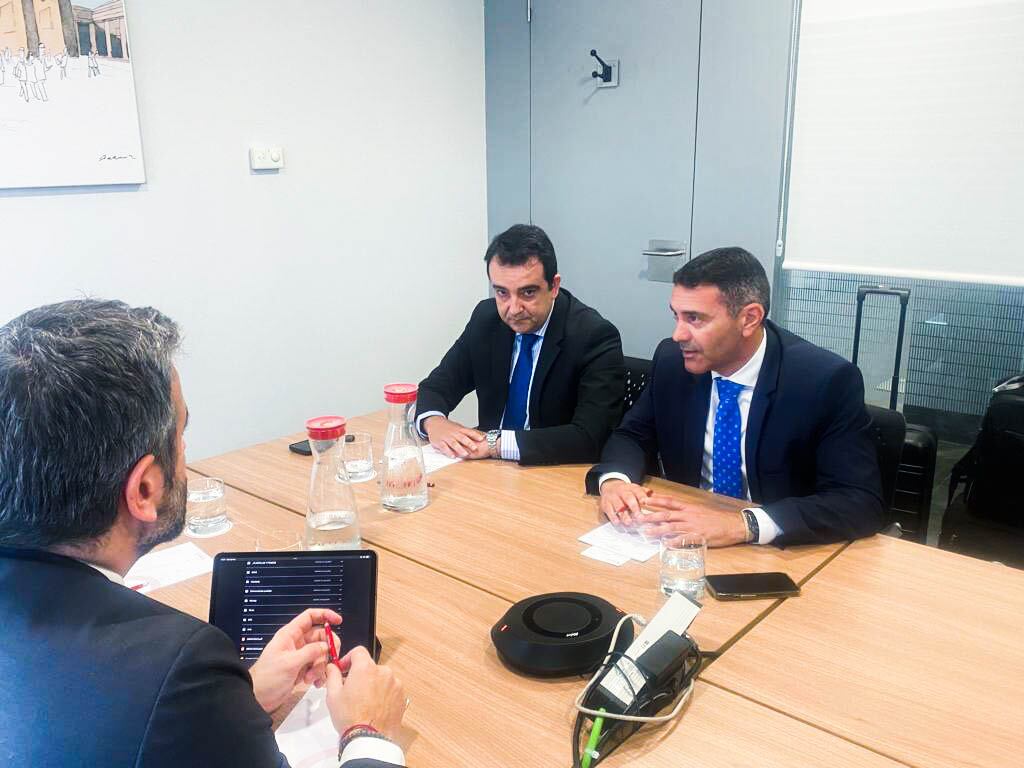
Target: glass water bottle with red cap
{"type": "Point", "coordinates": [403, 483]}
{"type": "Point", "coordinates": [332, 518]}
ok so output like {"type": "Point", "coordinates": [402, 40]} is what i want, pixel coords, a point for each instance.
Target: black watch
{"type": "Point", "coordinates": [755, 530]}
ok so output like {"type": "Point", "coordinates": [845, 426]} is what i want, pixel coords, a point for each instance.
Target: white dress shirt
{"type": "Point", "coordinates": [114, 577]}
{"type": "Point", "coordinates": [509, 444]}
{"type": "Point", "coordinates": [747, 377]}
{"type": "Point", "coordinates": [364, 747]}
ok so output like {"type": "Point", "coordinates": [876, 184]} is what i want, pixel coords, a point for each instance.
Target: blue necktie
{"type": "Point", "coordinates": [519, 387]}
{"type": "Point", "coordinates": [726, 465]}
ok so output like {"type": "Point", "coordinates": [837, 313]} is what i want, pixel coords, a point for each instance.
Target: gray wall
{"type": "Point", "coordinates": [507, 62]}
{"type": "Point", "coordinates": [740, 121]}
{"type": "Point", "coordinates": [741, 113]}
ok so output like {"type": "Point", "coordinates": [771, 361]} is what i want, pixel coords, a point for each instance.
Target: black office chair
{"type": "Point", "coordinates": [638, 370]}
{"type": "Point", "coordinates": [889, 430]}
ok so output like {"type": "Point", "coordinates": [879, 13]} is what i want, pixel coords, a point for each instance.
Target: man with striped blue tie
{"type": "Point", "coordinates": [739, 406]}
{"type": "Point", "coordinates": [547, 369]}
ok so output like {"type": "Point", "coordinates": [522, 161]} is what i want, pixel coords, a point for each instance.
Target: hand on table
{"type": "Point", "coordinates": [297, 653]}
{"type": "Point", "coordinates": [622, 503]}
{"type": "Point", "coordinates": [367, 693]}
{"type": "Point", "coordinates": [454, 440]}
{"type": "Point", "coordinates": [721, 524]}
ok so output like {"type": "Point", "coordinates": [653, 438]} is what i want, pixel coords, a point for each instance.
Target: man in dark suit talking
{"type": "Point", "coordinates": [92, 476]}
{"type": "Point", "coordinates": [741, 407]}
{"type": "Point", "coordinates": [547, 369]}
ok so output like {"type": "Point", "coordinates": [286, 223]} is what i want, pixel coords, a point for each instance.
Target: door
{"type": "Point", "coordinates": [612, 167]}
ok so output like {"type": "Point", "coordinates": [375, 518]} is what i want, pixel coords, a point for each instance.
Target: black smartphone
{"type": "Point", "coordinates": [301, 447]}
{"type": "Point", "coordinates": [751, 586]}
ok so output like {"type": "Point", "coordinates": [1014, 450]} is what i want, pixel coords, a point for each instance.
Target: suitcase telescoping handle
{"type": "Point", "coordinates": [863, 291]}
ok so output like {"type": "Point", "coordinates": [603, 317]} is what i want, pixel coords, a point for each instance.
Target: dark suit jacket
{"type": "Point", "coordinates": [94, 674]}
{"type": "Point", "coordinates": [811, 463]}
{"type": "Point", "coordinates": [576, 396]}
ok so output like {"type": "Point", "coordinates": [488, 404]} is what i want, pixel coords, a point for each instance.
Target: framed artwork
{"type": "Point", "coordinates": [68, 115]}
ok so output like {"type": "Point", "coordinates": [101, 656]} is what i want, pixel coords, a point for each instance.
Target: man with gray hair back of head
{"type": "Point", "coordinates": [92, 476]}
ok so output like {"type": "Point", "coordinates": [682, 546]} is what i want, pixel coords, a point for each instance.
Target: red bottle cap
{"type": "Point", "coordinates": [401, 393]}
{"type": "Point", "coordinates": [325, 427]}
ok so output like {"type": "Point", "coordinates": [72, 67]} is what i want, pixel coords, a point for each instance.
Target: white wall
{"type": "Point", "coordinates": [299, 293]}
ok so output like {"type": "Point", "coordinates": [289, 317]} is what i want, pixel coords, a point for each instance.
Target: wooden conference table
{"type": "Point", "coordinates": [469, 709]}
{"type": "Point", "coordinates": [894, 654]}
{"type": "Point", "coordinates": [513, 531]}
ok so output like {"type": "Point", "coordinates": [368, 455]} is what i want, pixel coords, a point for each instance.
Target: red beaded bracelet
{"type": "Point", "coordinates": [358, 726]}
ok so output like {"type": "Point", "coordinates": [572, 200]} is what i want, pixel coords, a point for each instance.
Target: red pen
{"type": "Point", "coordinates": [332, 652]}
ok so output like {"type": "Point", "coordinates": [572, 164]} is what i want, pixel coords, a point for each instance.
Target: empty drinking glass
{"type": "Point", "coordinates": [682, 564]}
{"type": "Point", "coordinates": [206, 511]}
{"type": "Point", "coordinates": [358, 452]}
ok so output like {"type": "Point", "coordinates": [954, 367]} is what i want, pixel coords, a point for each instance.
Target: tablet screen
{"type": "Point", "coordinates": [256, 593]}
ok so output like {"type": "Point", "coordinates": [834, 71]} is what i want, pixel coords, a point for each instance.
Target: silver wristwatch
{"type": "Point", "coordinates": [492, 442]}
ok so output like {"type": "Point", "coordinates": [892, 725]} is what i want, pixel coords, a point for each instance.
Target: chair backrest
{"type": "Point", "coordinates": [889, 430]}
{"type": "Point", "coordinates": [638, 370]}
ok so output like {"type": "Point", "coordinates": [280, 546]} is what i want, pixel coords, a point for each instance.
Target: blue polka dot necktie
{"type": "Point", "coordinates": [726, 465]}
{"type": "Point", "coordinates": [519, 387]}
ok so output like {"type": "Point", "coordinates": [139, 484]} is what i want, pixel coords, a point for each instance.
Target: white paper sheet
{"type": "Point", "coordinates": [168, 566]}
{"type": "Point", "coordinates": [307, 737]}
{"type": "Point", "coordinates": [434, 460]}
{"type": "Point", "coordinates": [628, 543]}
{"type": "Point", "coordinates": [606, 555]}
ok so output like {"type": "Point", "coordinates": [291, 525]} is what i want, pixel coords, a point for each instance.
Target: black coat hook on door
{"type": "Point", "coordinates": [606, 69]}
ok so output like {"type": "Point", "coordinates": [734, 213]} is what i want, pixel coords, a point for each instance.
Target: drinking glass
{"type": "Point", "coordinates": [206, 512]}
{"type": "Point", "coordinates": [358, 452]}
{"type": "Point", "coordinates": [682, 564]}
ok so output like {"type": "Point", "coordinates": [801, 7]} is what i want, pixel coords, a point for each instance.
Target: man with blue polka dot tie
{"type": "Point", "coordinates": [773, 425]}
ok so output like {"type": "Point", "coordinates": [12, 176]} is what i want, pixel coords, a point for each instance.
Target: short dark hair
{"type": "Point", "coordinates": [734, 271]}
{"type": "Point", "coordinates": [520, 243]}
{"type": "Point", "coordinates": [85, 392]}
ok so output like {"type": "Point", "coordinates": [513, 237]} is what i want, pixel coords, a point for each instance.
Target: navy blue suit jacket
{"type": "Point", "coordinates": [94, 674]}
{"type": "Point", "coordinates": [811, 462]}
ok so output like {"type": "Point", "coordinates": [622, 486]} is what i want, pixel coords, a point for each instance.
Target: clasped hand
{"type": "Point", "coordinates": [358, 690]}
{"type": "Point", "coordinates": [296, 654]}
{"type": "Point", "coordinates": [656, 515]}
{"type": "Point", "coordinates": [454, 440]}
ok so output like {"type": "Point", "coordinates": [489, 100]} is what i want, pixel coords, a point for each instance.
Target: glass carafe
{"type": "Point", "coordinates": [332, 517]}
{"type": "Point", "coordinates": [403, 483]}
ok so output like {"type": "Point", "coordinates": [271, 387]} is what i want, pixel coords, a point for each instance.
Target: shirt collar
{"type": "Point", "coordinates": [114, 577]}
{"type": "Point", "coordinates": [747, 375]}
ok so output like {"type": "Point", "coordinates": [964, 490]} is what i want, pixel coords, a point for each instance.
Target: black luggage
{"type": "Point", "coordinates": [912, 500]}
{"type": "Point", "coordinates": [992, 467]}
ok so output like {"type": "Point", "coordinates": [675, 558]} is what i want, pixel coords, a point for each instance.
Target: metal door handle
{"type": "Point", "coordinates": [664, 253]}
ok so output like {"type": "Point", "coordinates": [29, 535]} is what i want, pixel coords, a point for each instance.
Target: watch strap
{"type": "Point", "coordinates": [753, 529]}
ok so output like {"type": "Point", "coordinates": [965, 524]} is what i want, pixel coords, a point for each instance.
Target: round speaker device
{"type": "Point", "coordinates": [561, 633]}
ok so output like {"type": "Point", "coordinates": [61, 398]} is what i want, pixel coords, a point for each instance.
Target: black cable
{"type": "Point", "coordinates": [695, 658]}
{"type": "Point", "coordinates": [606, 666]}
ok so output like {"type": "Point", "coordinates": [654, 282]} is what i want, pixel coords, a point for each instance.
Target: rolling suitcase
{"type": "Point", "coordinates": [913, 498]}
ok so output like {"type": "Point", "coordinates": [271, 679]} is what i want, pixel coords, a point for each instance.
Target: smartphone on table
{"type": "Point", "coordinates": [751, 586]}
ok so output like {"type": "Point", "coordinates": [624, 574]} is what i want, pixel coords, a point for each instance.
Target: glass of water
{"type": "Point", "coordinates": [358, 453]}
{"type": "Point", "coordinates": [682, 564]}
{"type": "Point", "coordinates": [207, 510]}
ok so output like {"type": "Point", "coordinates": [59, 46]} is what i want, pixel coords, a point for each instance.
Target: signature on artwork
{"type": "Point", "coordinates": [116, 157]}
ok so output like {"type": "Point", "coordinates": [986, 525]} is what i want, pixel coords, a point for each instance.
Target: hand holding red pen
{"type": "Point", "coordinates": [370, 694]}
{"type": "Point", "coordinates": [296, 654]}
